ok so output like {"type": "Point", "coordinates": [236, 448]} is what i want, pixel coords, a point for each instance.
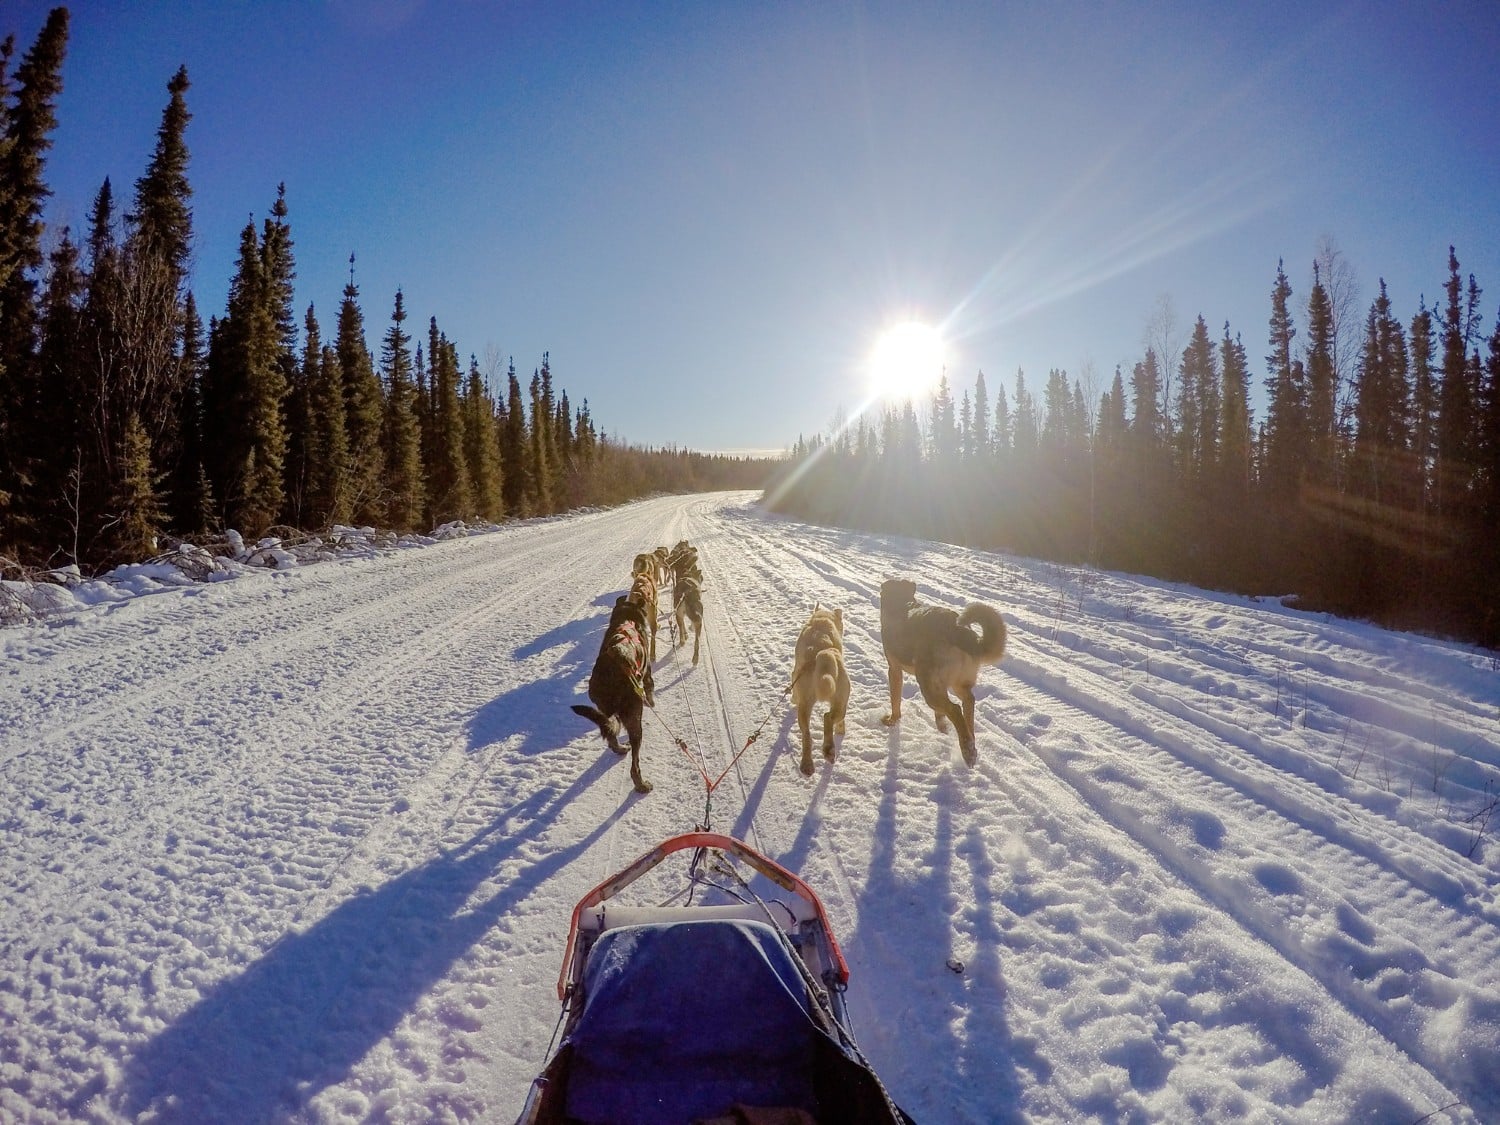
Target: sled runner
{"type": "Point", "coordinates": [727, 1013]}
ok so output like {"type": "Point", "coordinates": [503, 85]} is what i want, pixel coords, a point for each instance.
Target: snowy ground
{"type": "Point", "coordinates": [303, 845]}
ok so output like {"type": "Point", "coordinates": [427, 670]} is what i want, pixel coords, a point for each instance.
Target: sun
{"type": "Point", "coordinates": [906, 361]}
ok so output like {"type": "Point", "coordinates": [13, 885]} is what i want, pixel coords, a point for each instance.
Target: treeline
{"type": "Point", "coordinates": [1371, 487]}
{"type": "Point", "coordinates": [125, 420]}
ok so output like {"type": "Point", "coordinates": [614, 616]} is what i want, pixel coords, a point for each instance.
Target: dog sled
{"type": "Point", "coordinates": [728, 1011]}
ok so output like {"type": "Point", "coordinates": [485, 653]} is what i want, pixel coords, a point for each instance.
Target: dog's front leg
{"type": "Point", "coordinates": [893, 678]}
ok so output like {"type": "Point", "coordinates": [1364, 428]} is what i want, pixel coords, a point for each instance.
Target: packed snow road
{"type": "Point", "coordinates": [303, 845]}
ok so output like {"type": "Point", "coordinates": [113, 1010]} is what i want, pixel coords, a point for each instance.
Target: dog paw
{"type": "Point", "coordinates": [618, 749]}
{"type": "Point", "coordinates": [829, 753]}
{"type": "Point", "coordinates": [942, 724]}
{"type": "Point", "coordinates": [806, 766]}
{"type": "Point", "coordinates": [971, 754]}
{"type": "Point", "coordinates": [889, 720]}
{"type": "Point", "coordinates": [642, 785]}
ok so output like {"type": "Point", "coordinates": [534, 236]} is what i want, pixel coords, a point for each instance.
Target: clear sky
{"type": "Point", "coordinates": [707, 211]}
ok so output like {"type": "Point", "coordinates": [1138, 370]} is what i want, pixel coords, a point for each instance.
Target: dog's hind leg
{"type": "Point", "coordinates": [893, 678]}
{"type": "Point", "coordinates": [633, 729]}
{"type": "Point", "coordinates": [971, 751]}
{"type": "Point", "coordinates": [944, 709]}
{"type": "Point", "coordinates": [804, 716]}
{"type": "Point", "coordinates": [833, 722]}
{"type": "Point", "coordinates": [697, 635]}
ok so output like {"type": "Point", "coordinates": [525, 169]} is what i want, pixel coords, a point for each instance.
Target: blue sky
{"type": "Point", "coordinates": [707, 212]}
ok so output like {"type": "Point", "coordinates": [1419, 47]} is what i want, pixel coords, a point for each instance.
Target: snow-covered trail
{"type": "Point", "coordinates": [304, 845]}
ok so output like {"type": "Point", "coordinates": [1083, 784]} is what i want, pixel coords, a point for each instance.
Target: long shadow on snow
{"type": "Point", "coordinates": [746, 819]}
{"type": "Point", "coordinates": [539, 709]}
{"type": "Point", "coordinates": [258, 1046]}
{"type": "Point", "coordinates": [904, 924]}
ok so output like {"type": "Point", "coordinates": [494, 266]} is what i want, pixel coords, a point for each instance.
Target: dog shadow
{"type": "Point", "coordinates": [259, 1046]}
{"type": "Point", "coordinates": [922, 939]}
{"type": "Point", "coordinates": [528, 709]}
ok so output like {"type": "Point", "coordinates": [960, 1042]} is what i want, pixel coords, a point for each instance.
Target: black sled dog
{"type": "Point", "coordinates": [687, 605]}
{"type": "Point", "coordinates": [621, 685]}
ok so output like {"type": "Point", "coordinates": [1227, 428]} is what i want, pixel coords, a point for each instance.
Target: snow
{"type": "Point", "coordinates": [302, 843]}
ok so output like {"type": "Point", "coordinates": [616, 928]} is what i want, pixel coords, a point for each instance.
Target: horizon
{"type": "Point", "coordinates": [708, 216]}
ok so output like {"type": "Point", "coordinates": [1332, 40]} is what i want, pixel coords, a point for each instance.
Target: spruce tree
{"type": "Point", "coordinates": [540, 451]}
{"type": "Point", "coordinates": [981, 441]}
{"type": "Point", "coordinates": [280, 271]}
{"type": "Point", "coordinates": [482, 447]}
{"type": "Point", "coordinates": [254, 388]}
{"type": "Point", "coordinates": [1236, 441]}
{"type": "Point", "coordinates": [448, 473]}
{"type": "Point", "coordinates": [1286, 410]}
{"type": "Point", "coordinates": [548, 427]}
{"type": "Point", "coordinates": [1001, 434]}
{"type": "Point", "coordinates": [29, 124]}
{"type": "Point", "coordinates": [50, 446]}
{"type": "Point", "coordinates": [364, 414]}
{"type": "Point", "coordinates": [1382, 401]}
{"type": "Point", "coordinates": [515, 450]}
{"type": "Point", "coordinates": [330, 469]}
{"type": "Point", "coordinates": [138, 513]}
{"type": "Point", "coordinates": [26, 138]}
{"type": "Point", "coordinates": [1424, 400]}
{"type": "Point", "coordinates": [162, 221]}
{"type": "Point", "coordinates": [406, 491]}
{"type": "Point", "coordinates": [942, 442]}
{"type": "Point", "coordinates": [304, 441]}
{"type": "Point", "coordinates": [1146, 424]}
{"type": "Point", "coordinates": [1196, 433]}
{"type": "Point", "coordinates": [1322, 419]}
{"type": "Point", "coordinates": [101, 422]}
{"type": "Point", "coordinates": [192, 501]}
{"type": "Point", "coordinates": [1457, 409]}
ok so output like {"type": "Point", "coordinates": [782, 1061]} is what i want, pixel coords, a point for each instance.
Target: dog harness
{"type": "Point", "coordinates": [631, 650]}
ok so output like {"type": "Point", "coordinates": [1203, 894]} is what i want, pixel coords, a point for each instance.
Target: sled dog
{"type": "Point", "coordinates": [621, 686]}
{"type": "Point", "coordinates": [663, 568]}
{"type": "Point", "coordinates": [687, 606]}
{"type": "Point", "coordinates": [819, 676]}
{"type": "Point", "coordinates": [643, 594]}
{"type": "Point", "coordinates": [684, 562]}
{"type": "Point", "coordinates": [937, 646]}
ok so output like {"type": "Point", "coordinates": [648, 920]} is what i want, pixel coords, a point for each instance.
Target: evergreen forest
{"type": "Point", "coordinates": [1369, 485]}
{"type": "Point", "coordinates": [127, 422]}
{"type": "Point", "coordinates": [1370, 488]}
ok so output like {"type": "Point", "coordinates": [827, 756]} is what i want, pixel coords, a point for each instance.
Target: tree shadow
{"type": "Point", "coordinates": [257, 1047]}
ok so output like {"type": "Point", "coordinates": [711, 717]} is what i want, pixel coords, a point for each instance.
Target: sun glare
{"type": "Point", "coordinates": [906, 361]}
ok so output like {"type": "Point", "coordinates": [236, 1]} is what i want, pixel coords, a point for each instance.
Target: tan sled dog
{"type": "Point", "coordinates": [819, 676]}
{"type": "Point", "coordinates": [937, 646]}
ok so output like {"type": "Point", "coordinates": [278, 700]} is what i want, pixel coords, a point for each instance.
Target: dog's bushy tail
{"type": "Point", "coordinates": [826, 675]}
{"type": "Point", "coordinates": [609, 726]}
{"type": "Point", "coordinates": [991, 629]}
